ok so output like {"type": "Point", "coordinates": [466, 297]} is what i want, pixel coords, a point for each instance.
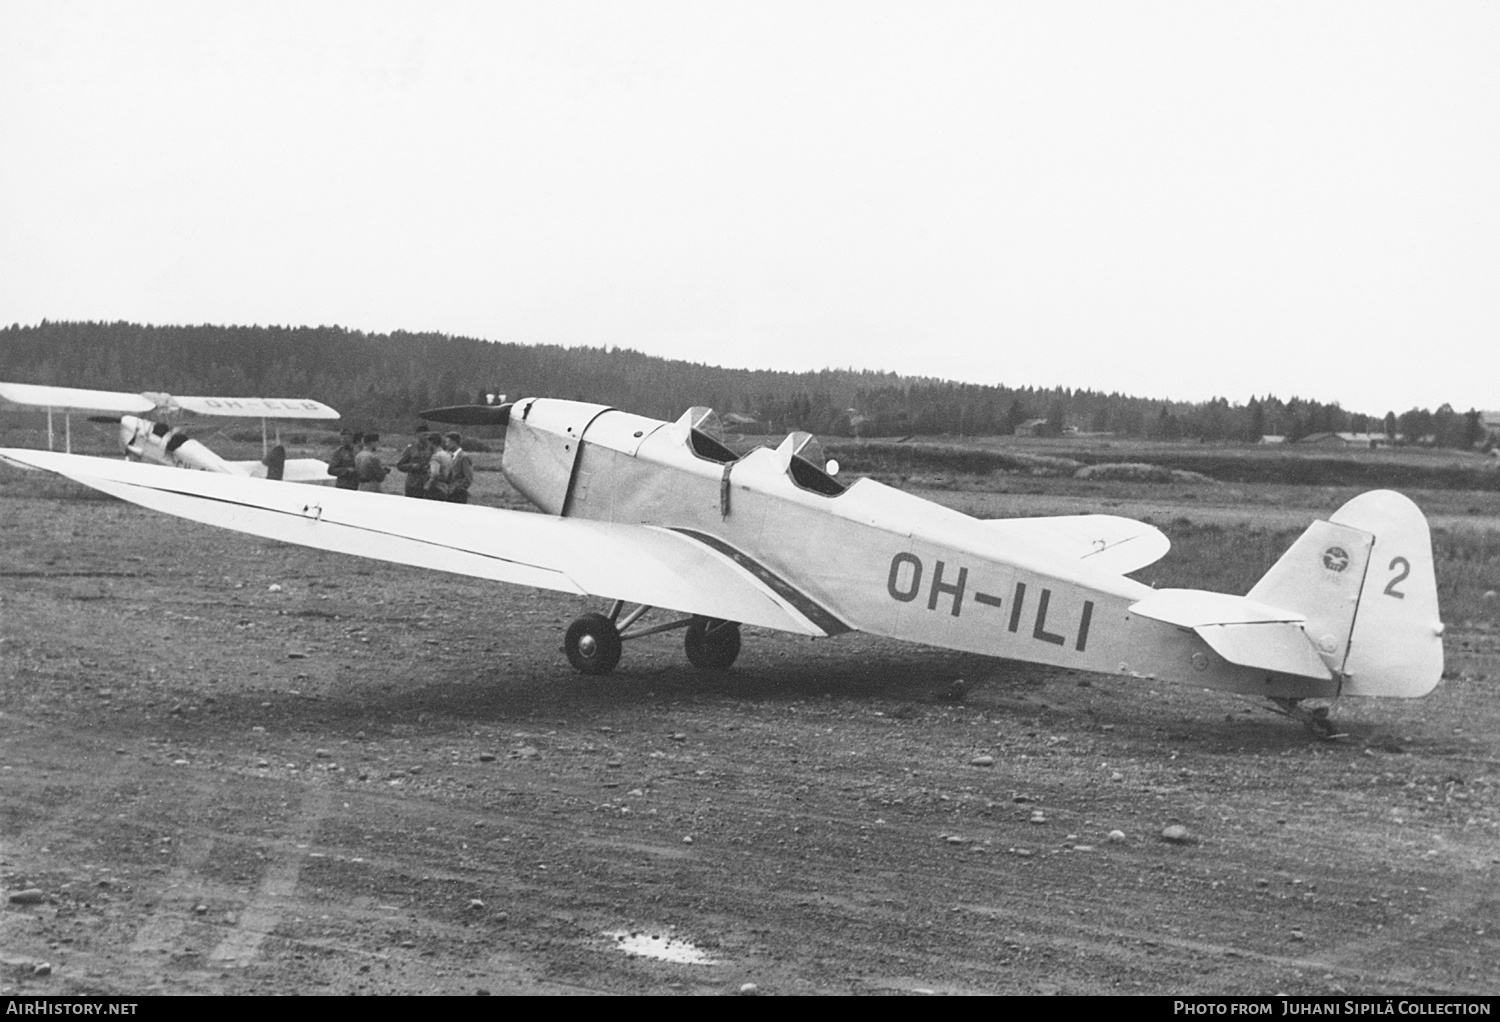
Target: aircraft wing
{"type": "Point", "coordinates": [35, 395]}
{"type": "Point", "coordinates": [253, 407]}
{"type": "Point", "coordinates": [638, 563]}
{"type": "Point", "coordinates": [1116, 544]}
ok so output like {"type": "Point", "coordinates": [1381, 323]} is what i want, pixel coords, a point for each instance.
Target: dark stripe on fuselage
{"type": "Point", "coordinates": [806, 606]}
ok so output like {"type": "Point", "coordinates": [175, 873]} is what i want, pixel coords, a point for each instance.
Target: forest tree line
{"type": "Point", "coordinates": [388, 378]}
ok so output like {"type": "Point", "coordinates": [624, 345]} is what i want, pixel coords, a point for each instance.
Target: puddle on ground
{"type": "Point", "coordinates": [659, 946]}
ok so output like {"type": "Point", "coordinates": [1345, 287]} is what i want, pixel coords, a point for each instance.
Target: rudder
{"type": "Point", "coordinates": [1397, 645]}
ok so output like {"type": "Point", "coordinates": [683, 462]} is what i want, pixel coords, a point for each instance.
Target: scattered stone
{"type": "Point", "coordinates": [476, 903]}
{"type": "Point", "coordinates": [679, 737]}
{"type": "Point", "coordinates": [1116, 837]}
{"type": "Point", "coordinates": [322, 754]}
{"type": "Point", "coordinates": [1177, 834]}
{"type": "Point", "coordinates": [954, 839]}
{"type": "Point", "coordinates": [200, 910]}
{"type": "Point", "coordinates": [296, 656]}
{"type": "Point", "coordinates": [1490, 594]}
{"type": "Point", "coordinates": [1298, 935]}
{"type": "Point", "coordinates": [42, 969]}
{"type": "Point", "coordinates": [1038, 817]}
{"type": "Point", "coordinates": [687, 839]}
{"type": "Point", "coordinates": [486, 757]}
{"type": "Point", "coordinates": [274, 587]}
{"type": "Point", "coordinates": [1117, 777]}
{"type": "Point", "coordinates": [749, 990]}
{"type": "Point", "coordinates": [983, 761]}
{"type": "Point", "coordinates": [1083, 848]}
{"type": "Point", "coordinates": [30, 896]}
{"type": "Point", "coordinates": [414, 770]}
{"type": "Point", "coordinates": [527, 752]}
{"type": "Point", "coordinates": [1262, 882]}
{"type": "Point", "coordinates": [1022, 798]}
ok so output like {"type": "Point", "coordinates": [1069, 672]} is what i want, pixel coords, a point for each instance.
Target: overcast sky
{"type": "Point", "coordinates": [1173, 200]}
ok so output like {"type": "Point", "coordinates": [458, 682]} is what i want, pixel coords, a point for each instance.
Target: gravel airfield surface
{"type": "Point", "coordinates": [232, 766]}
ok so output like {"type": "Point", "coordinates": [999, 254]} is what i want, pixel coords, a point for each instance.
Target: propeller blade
{"type": "Point", "coordinates": [470, 415]}
{"type": "Point", "coordinates": [113, 419]}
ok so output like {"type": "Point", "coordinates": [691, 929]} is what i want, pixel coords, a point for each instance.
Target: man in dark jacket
{"type": "Point", "coordinates": [415, 461]}
{"type": "Point", "coordinates": [341, 465]}
{"type": "Point", "coordinates": [453, 472]}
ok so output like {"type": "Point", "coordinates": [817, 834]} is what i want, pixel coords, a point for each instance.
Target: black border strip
{"type": "Point", "coordinates": [806, 606]}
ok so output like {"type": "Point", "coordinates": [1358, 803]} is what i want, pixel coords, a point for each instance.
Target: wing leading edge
{"type": "Point", "coordinates": [637, 563]}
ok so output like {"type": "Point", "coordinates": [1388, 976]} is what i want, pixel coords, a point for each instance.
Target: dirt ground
{"type": "Point", "coordinates": [231, 766]}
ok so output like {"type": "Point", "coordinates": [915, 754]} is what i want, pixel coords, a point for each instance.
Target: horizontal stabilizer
{"type": "Point", "coordinates": [1279, 646]}
{"type": "Point", "coordinates": [1193, 608]}
{"type": "Point", "coordinates": [294, 470]}
{"type": "Point", "coordinates": [1115, 544]}
{"type": "Point", "coordinates": [1240, 630]}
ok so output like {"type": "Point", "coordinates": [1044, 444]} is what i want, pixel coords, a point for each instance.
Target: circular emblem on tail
{"type": "Point", "coordinates": [1335, 558]}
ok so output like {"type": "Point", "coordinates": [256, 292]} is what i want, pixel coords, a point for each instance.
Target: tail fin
{"type": "Point", "coordinates": [1364, 579]}
{"type": "Point", "coordinates": [276, 462]}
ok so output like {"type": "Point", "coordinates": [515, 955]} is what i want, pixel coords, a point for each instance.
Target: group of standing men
{"type": "Point", "coordinates": [437, 468]}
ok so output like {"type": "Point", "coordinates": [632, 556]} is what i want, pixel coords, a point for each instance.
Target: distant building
{"type": "Point", "coordinates": [1346, 439]}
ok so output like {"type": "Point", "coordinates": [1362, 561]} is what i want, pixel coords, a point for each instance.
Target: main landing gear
{"type": "Point", "coordinates": [1314, 718]}
{"type": "Point", "coordinates": [595, 641]}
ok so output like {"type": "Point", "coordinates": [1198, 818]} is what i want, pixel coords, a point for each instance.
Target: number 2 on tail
{"type": "Point", "coordinates": [1404, 570]}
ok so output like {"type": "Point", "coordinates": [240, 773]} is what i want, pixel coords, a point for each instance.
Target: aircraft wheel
{"type": "Point", "coordinates": [712, 645]}
{"type": "Point", "coordinates": [593, 644]}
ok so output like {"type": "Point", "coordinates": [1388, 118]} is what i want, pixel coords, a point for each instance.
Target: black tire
{"type": "Point", "coordinates": [712, 645]}
{"type": "Point", "coordinates": [593, 644]}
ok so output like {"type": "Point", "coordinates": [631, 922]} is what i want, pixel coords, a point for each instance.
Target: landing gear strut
{"type": "Point", "coordinates": [594, 642]}
{"type": "Point", "coordinates": [1314, 718]}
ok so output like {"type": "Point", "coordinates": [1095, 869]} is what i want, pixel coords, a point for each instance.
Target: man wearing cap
{"type": "Point", "coordinates": [452, 472]}
{"type": "Point", "coordinates": [416, 462]}
{"type": "Point", "coordinates": [367, 467]}
{"type": "Point", "coordinates": [341, 465]}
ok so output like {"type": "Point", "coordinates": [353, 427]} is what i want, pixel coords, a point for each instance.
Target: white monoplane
{"type": "Point", "coordinates": [156, 441]}
{"type": "Point", "coordinates": [662, 515]}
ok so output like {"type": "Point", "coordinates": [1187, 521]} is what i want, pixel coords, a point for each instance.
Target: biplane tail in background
{"type": "Point", "coordinates": [151, 440]}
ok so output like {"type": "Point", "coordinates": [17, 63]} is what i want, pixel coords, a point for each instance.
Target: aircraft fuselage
{"type": "Point", "coordinates": [864, 557]}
